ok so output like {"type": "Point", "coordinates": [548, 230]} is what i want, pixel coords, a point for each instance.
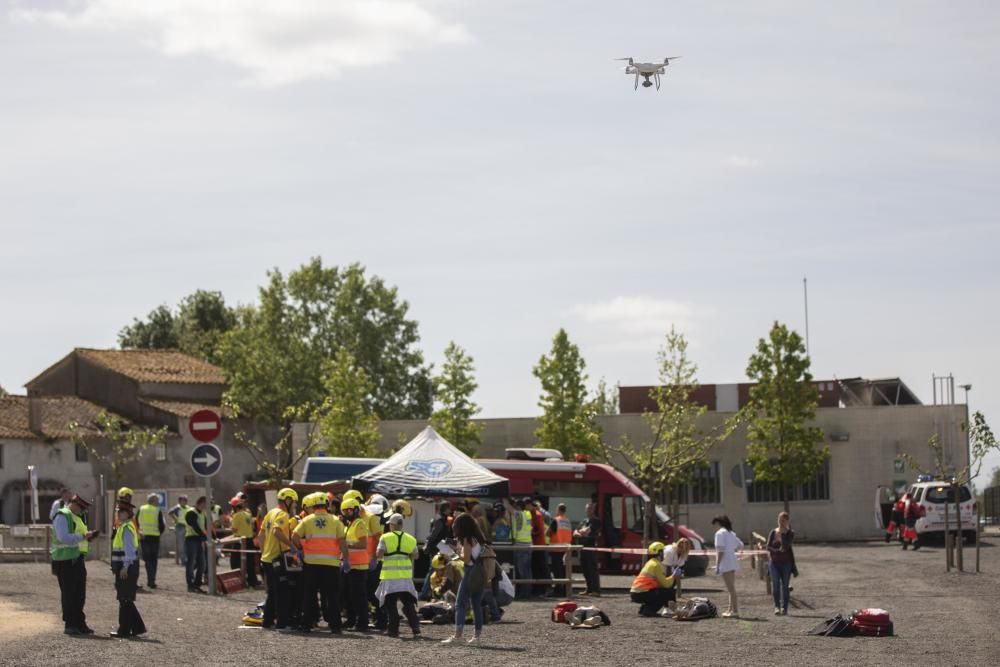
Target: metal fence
{"type": "Point", "coordinates": [991, 506]}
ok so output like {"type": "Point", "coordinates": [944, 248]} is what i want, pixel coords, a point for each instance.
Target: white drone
{"type": "Point", "coordinates": [647, 70]}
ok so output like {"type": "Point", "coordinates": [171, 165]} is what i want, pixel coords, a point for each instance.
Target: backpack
{"type": "Point", "coordinates": [871, 622]}
{"type": "Point", "coordinates": [837, 626]}
{"type": "Point", "coordinates": [560, 610]}
{"type": "Point", "coordinates": [695, 609]}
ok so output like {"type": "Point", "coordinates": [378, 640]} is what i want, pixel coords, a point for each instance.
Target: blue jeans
{"type": "Point", "coordinates": [781, 574]}
{"type": "Point", "coordinates": [522, 567]}
{"type": "Point", "coordinates": [465, 596]}
{"type": "Point", "coordinates": [194, 549]}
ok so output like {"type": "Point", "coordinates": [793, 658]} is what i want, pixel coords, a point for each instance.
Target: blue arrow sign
{"type": "Point", "coordinates": [206, 459]}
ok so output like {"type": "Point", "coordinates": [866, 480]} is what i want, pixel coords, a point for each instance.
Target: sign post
{"type": "Point", "coordinates": [206, 461]}
{"type": "Point", "coordinates": [33, 483]}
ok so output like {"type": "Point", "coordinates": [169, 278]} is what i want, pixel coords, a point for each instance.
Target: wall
{"type": "Point", "coordinates": [56, 465]}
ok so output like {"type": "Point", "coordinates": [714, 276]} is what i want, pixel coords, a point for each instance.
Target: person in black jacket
{"type": "Point", "coordinates": [194, 545]}
{"type": "Point", "coordinates": [588, 534]}
{"type": "Point", "coordinates": [440, 531]}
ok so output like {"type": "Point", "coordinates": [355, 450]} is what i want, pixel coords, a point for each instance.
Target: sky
{"type": "Point", "coordinates": [492, 161]}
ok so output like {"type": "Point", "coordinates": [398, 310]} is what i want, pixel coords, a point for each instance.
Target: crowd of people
{"type": "Point", "coordinates": [348, 561]}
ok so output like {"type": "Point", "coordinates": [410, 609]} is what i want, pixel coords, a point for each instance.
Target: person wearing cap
{"type": "Point", "coordinates": [397, 550]}
{"type": "Point", "coordinates": [151, 526]}
{"type": "Point", "coordinates": [177, 513]}
{"type": "Point", "coordinates": [70, 544]}
{"type": "Point", "coordinates": [125, 566]}
{"type": "Point", "coordinates": [242, 525]}
{"type": "Point", "coordinates": [195, 537]}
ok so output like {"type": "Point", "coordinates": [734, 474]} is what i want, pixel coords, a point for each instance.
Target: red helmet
{"type": "Point", "coordinates": [235, 501]}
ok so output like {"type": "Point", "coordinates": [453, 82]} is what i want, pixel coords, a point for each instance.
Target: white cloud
{"type": "Point", "coordinates": [639, 317]}
{"type": "Point", "coordinates": [276, 41]}
{"type": "Point", "coordinates": [741, 162]}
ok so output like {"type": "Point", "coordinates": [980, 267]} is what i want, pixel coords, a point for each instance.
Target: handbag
{"type": "Point", "coordinates": [475, 577]}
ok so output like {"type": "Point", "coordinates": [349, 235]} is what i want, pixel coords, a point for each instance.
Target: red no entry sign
{"type": "Point", "coordinates": [205, 425]}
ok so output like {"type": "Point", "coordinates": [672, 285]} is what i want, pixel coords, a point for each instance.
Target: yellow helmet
{"type": "Point", "coordinates": [655, 548]}
{"type": "Point", "coordinates": [288, 494]}
{"type": "Point", "coordinates": [353, 494]}
{"type": "Point", "coordinates": [439, 561]}
{"type": "Point", "coordinates": [349, 504]}
{"type": "Point", "coordinates": [402, 507]}
{"type": "Point", "coordinates": [124, 491]}
{"type": "Point", "coordinates": [314, 499]}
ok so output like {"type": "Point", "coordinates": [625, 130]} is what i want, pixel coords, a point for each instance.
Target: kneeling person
{"type": "Point", "coordinates": [397, 550]}
{"type": "Point", "coordinates": [652, 588]}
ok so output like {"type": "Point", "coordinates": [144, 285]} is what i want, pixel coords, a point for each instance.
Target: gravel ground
{"type": "Point", "coordinates": [940, 619]}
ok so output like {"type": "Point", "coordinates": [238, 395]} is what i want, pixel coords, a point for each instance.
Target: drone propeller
{"type": "Point", "coordinates": [667, 60]}
{"type": "Point", "coordinates": [624, 58]}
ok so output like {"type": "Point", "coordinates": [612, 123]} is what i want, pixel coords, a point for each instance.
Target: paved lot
{"type": "Point", "coordinates": [941, 619]}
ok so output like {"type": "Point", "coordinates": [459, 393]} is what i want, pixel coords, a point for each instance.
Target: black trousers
{"type": "Point", "coordinates": [251, 560]}
{"type": "Point", "coordinates": [129, 621]}
{"type": "Point", "coordinates": [150, 546]}
{"type": "Point", "coordinates": [194, 569]}
{"type": "Point", "coordinates": [357, 599]}
{"type": "Point", "coordinates": [409, 610]}
{"type": "Point", "coordinates": [557, 564]}
{"type": "Point", "coordinates": [324, 580]}
{"type": "Point", "coordinates": [540, 570]}
{"type": "Point", "coordinates": [72, 577]}
{"type": "Point", "coordinates": [278, 594]}
{"type": "Point", "coordinates": [588, 563]}
{"type": "Point", "coordinates": [653, 601]}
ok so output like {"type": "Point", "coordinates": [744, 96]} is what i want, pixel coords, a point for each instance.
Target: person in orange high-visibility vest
{"type": "Point", "coordinates": [560, 532]}
{"type": "Point", "coordinates": [323, 541]}
{"type": "Point", "coordinates": [356, 567]}
{"type": "Point", "coordinates": [652, 588]}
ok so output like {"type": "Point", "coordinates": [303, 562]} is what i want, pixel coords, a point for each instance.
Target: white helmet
{"type": "Point", "coordinates": [378, 504]}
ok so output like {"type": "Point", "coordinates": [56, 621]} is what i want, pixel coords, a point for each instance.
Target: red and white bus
{"type": "Point", "coordinates": [621, 505]}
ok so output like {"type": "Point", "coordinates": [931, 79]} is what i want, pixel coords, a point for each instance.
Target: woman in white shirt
{"type": "Point", "coordinates": [726, 546]}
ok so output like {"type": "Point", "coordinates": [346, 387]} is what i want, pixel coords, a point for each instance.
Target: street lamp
{"type": "Point", "coordinates": [967, 388]}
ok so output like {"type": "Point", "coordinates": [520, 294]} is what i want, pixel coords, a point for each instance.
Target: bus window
{"type": "Point", "coordinates": [635, 514]}
{"type": "Point", "coordinates": [617, 511]}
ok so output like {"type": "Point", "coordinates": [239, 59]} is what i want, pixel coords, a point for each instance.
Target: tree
{"type": "Point", "coordinates": [678, 447]}
{"type": "Point", "coordinates": [345, 421]}
{"type": "Point", "coordinates": [194, 327]}
{"type": "Point", "coordinates": [3, 392]}
{"type": "Point", "coordinates": [783, 446]}
{"type": "Point", "coordinates": [275, 357]}
{"type": "Point", "coordinates": [605, 399]}
{"type": "Point", "coordinates": [114, 442]}
{"type": "Point", "coordinates": [453, 389]}
{"type": "Point", "coordinates": [567, 422]}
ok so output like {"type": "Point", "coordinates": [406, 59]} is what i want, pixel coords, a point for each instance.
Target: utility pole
{"type": "Point", "coordinates": [805, 294]}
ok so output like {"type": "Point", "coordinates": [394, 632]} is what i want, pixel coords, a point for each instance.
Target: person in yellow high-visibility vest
{"type": "Point", "coordinates": [377, 507]}
{"type": "Point", "coordinates": [242, 525]}
{"type": "Point", "coordinates": [70, 544]}
{"type": "Point", "coordinates": [652, 588]}
{"type": "Point", "coordinates": [323, 541]}
{"type": "Point", "coordinates": [356, 567]}
{"type": "Point", "coordinates": [275, 543]}
{"type": "Point", "coordinates": [151, 526]}
{"type": "Point", "coordinates": [125, 566]}
{"type": "Point", "coordinates": [397, 550]}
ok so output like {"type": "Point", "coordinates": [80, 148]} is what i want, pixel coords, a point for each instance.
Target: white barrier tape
{"type": "Point", "coordinates": [694, 552]}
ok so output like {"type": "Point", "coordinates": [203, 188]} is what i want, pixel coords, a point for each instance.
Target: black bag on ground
{"type": "Point", "coordinates": [838, 626]}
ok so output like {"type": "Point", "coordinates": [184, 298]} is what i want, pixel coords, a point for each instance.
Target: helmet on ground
{"type": "Point", "coordinates": [288, 494]}
{"type": "Point", "coordinates": [235, 501]}
{"type": "Point", "coordinates": [353, 494]}
{"type": "Point", "coordinates": [349, 504]}
{"type": "Point", "coordinates": [655, 548]}
{"type": "Point", "coordinates": [378, 504]}
{"type": "Point", "coordinates": [402, 507]}
{"type": "Point", "coordinates": [439, 561]}
{"type": "Point", "coordinates": [124, 492]}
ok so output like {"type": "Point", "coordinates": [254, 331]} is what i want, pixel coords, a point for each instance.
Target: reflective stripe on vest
{"type": "Point", "coordinates": [118, 543]}
{"type": "Point", "coordinates": [646, 580]}
{"type": "Point", "coordinates": [188, 530]}
{"type": "Point", "coordinates": [74, 525]}
{"type": "Point", "coordinates": [522, 527]}
{"type": "Point", "coordinates": [320, 548]}
{"type": "Point", "coordinates": [396, 563]}
{"type": "Point", "coordinates": [357, 556]}
{"type": "Point", "coordinates": [564, 531]}
{"type": "Point", "coordinates": [149, 523]}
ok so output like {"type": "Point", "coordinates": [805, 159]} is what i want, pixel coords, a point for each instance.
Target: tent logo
{"type": "Point", "coordinates": [433, 468]}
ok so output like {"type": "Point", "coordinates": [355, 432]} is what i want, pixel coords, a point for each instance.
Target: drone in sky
{"type": "Point", "coordinates": [647, 70]}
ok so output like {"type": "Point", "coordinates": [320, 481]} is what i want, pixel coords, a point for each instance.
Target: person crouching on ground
{"type": "Point", "coordinates": [397, 551]}
{"type": "Point", "coordinates": [911, 512]}
{"type": "Point", "coordinates": [652, 588]}
{"type": "Point", "coordinates": [726, 546]}
{"type": "Point", "coordinates": [125, 565]}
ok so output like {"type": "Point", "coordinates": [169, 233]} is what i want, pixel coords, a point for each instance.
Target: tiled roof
{"type": "Point", "coordinates": [57, 413]}
{"type": "Point", "coordinates": [156, 365]}
{"type": "Point", "coordinates": [182, 408]}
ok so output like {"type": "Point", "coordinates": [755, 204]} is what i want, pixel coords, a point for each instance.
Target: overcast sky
{"type": "Point", "coordinates": [492, 160]}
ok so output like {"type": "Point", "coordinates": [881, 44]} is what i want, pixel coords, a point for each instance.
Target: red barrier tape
{"type": "Point", "coordinates": [694, 552]}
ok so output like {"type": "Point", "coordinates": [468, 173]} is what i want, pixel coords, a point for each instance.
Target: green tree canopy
{"type": "Point", "coordinates": [115, 443]}
{"type": "Point", "coordinates": [783, 445]}
{"type": "Point", "coordinates": [453, 389]}
{"type": "Point", "coordinates": [344, 421]}
{"type": "Point", "coordinates": [605, 398]}
{"type": "Point", "coordinates": [275, 358]}
{"type": "Point", "coordinates": [567, 422]}
{"type": "Point", "coordinates": [195, 327]}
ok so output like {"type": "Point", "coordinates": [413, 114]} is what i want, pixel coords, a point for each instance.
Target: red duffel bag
{"type": "Point", "coordinates": [871, 623]}
{"type": "Point", "coordinates": [560, 610]}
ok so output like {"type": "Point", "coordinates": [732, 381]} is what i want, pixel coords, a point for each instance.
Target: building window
{"type": "Point", "coordinates": [773, 492]}
{"type": "Point", "coordinates": [161, 451]}
{"type": "Point", "coordinates": [704, 488]}
{"type": "Point", "coordinates": [81, 453]}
